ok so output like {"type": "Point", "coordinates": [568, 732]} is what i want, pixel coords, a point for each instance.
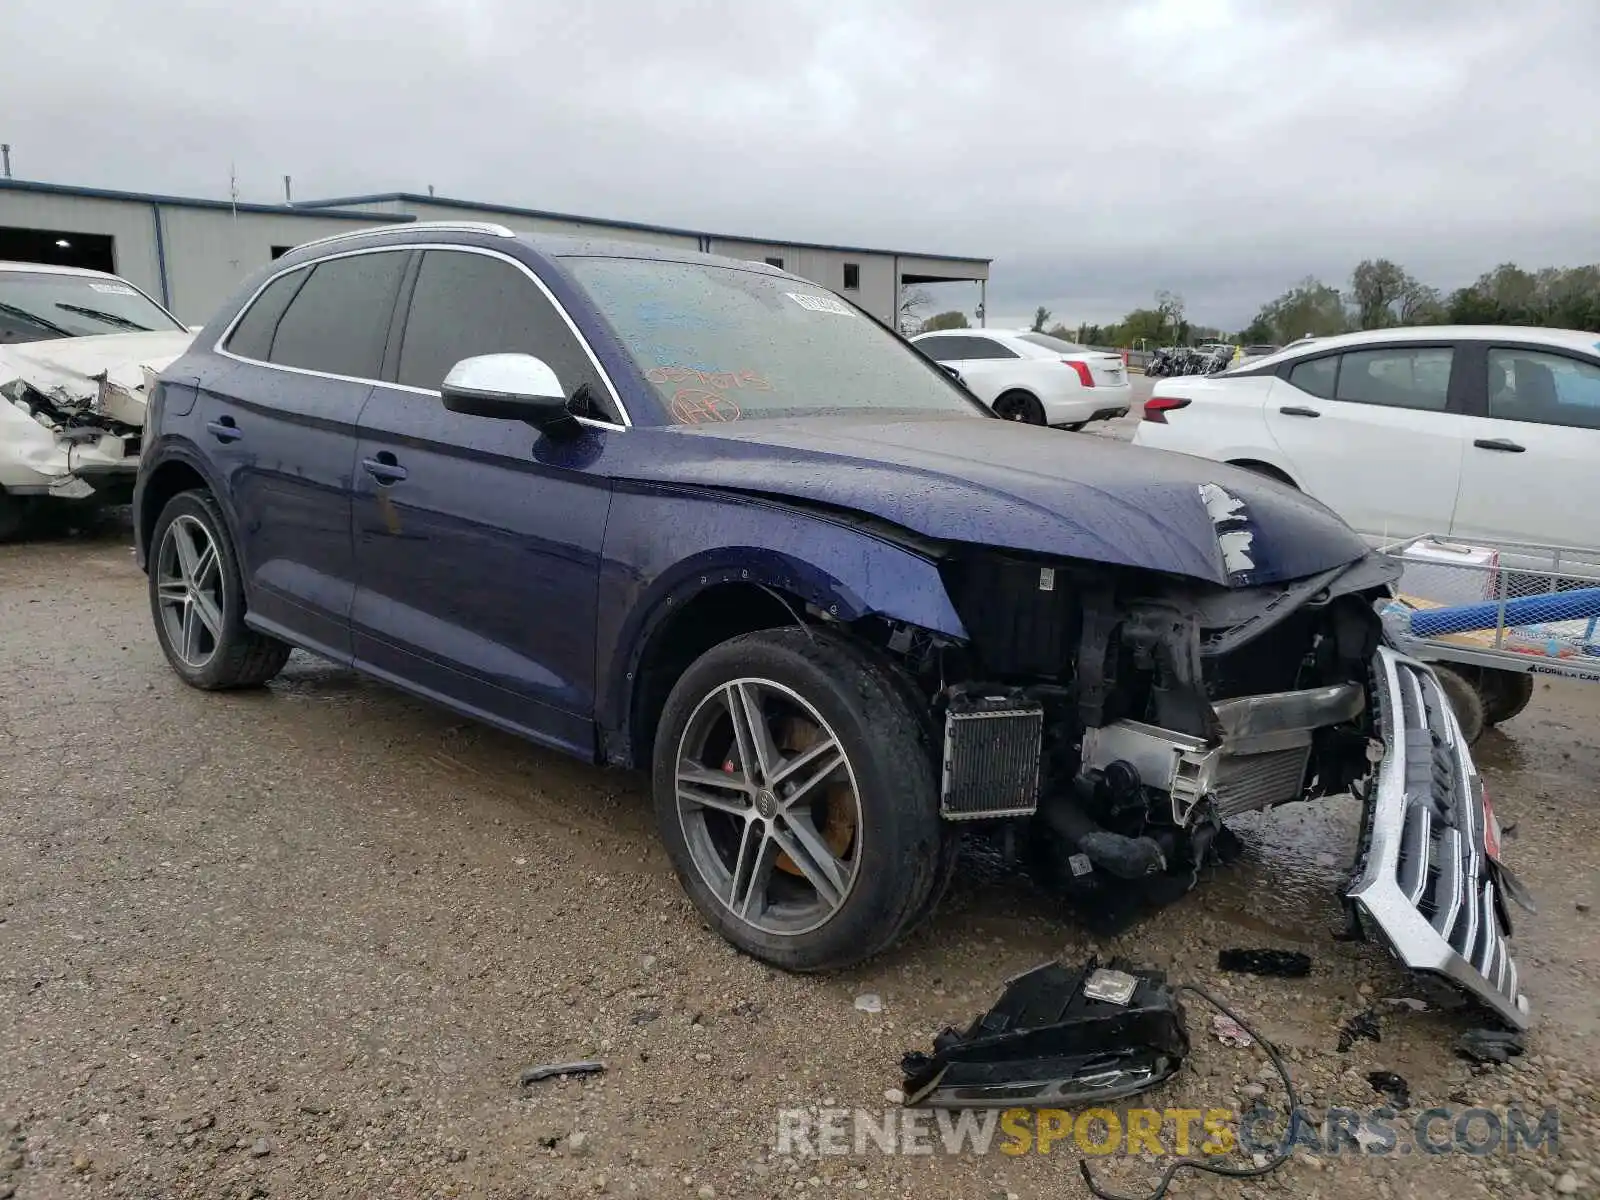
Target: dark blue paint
{"type": "Point", "coordinates": [520, 578]}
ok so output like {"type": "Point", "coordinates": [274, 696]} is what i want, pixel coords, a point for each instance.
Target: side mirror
{"type": "Point", "coordinates": [509, 387]}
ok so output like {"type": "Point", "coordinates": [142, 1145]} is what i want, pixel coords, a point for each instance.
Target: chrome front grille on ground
{"type": "Point", "coordinates": [991, 759]}
{"type": "Point", "coordinates": [1427, 882]}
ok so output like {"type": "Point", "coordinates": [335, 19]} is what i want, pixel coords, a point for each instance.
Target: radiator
{"type": "Point", "coordinates": [991, 759]}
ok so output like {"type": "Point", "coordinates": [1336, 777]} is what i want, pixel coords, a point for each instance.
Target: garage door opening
{"type": "Point", "coordinates": [57, 247]}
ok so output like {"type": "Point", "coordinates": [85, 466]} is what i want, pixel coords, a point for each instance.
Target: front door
{"type": "Point", "coordinates": [1529, 471]}
{"type": "Point", "coordinates": [478, 540]}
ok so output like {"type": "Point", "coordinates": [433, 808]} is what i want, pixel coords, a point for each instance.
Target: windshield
{"type": "Point", "coordinates": [1053, 343]}
{"type": "Point", "coordinates": [722, 344]}
{"type": "Point", "coordinates": [38, 305]}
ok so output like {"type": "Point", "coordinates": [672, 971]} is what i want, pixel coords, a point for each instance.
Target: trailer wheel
{"type": "Point", "coordinates": [1505, 694]}
{"type": "Point", "coordinates": [1465, 699]}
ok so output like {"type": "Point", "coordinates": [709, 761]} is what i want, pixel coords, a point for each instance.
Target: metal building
{"type": "Point", "coordinates": [191, 253]}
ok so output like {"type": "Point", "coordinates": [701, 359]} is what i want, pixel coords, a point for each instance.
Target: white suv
{"type": "Point", "coordinates": [1479, 432]}
{"type": "Point", "coordinates": [1033, 377]}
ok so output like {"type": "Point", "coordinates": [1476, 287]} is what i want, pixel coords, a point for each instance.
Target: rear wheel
{"type": "Point", "coordinates": [1020, 406]}
{"type": "Point", "coordinates": [197, 600]}
{"type": "Point", "coordinates": [797, 800]}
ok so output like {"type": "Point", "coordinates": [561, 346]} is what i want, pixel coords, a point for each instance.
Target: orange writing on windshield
{"type": "Point", "coordinates": [721, 381]}
{"type": "Point", "coordinates": [697, 406]}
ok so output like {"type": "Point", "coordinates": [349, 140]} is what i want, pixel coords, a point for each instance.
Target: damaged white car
{"type": "Point", "coordinates": [78, 351]}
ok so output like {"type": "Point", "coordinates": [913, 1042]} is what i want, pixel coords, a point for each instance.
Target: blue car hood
{"type": "Point", "coordinates": [1016, 487]}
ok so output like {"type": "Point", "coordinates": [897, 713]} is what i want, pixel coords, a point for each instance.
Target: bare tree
{"type": "Point", "coordinates": [912, 302]}
{"type": "Point", "coordinates": [1169, 310]}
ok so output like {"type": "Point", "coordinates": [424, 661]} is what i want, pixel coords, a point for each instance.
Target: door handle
{"type": "Point", "coordinates": [224, 429]}
{"type": "Point", "coordinates": [384, 468]}
{"type": "Point", "coordinates": [1505, 444]}
{"type": "Point", "coordinates": [1299, 410]}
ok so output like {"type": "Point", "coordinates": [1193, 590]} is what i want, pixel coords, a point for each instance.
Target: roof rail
{"type": "Point", "coordinates": [487, 227]}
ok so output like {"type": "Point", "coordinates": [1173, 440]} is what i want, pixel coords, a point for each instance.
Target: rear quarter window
{"type": "Point", "coordinates": [1315, 378]}
{"type": "Point", "coordinates": [252, 336]}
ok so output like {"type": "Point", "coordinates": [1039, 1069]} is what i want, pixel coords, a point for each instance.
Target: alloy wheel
{"type": "Point", "coordinates": [767, 801]}
{"type": "Point", "coordinates": [189, 590]}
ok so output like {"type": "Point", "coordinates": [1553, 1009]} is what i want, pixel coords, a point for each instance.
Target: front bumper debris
{"type": "Point", "coordinates": [1427, 882]}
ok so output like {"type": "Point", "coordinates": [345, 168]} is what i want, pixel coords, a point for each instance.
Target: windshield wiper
{"type": "Point", "coordinates": [11, 310]}
{"type": "Point", "coordinates": [110, 318]}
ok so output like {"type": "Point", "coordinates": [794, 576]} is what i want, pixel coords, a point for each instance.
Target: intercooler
{"type": "Point", "coordinates": [1244, 782]}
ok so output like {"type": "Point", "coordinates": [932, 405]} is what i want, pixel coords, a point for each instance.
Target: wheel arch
{"type": "Point", "coordinates": [177, 470]}
{"type": "Point", "coordinates": [1262, 467]}
{"type": "Point", "coordinates": [683, 631]}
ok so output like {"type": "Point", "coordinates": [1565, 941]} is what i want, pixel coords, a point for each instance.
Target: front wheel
{"type": "Point", "coordinates": [13, 516]}
{"type": "Point", "coordinates": [795, 794]}
{"type": "Point", "coordinates": [197, 599]}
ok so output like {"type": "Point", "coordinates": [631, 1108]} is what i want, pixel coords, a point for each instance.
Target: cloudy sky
{"type": "Point", "coordinates": [1096, 150]}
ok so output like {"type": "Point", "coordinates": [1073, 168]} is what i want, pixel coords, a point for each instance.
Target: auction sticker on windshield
{"type": "Point", "coordinates": [819, 303]}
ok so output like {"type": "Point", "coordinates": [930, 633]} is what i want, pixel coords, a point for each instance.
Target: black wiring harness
{"type": "Point", "coordinates": [1201, 1164]}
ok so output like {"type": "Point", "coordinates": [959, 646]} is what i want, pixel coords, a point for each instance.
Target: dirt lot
{"type": "Point", "coordinates": [301, 942]}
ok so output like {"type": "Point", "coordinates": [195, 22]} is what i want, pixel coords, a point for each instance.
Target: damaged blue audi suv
{"type": "Point", "coordinates": [701, 517]}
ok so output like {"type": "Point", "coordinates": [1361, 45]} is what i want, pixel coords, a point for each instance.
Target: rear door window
{"type": "Point", "coordinates": [338, 321]}
{"type": "Point", "coordinates": [1547, 389]}
{"type": "Point", "coordinates": [1315, 378]}
{"type": "Point", "coordinates": [943, 349]}
{"type": "Point", "coordinates": [467, 304]}
{"type": "Point", "coordinates": [1404, 377]}
{"type": "Point", "coordinates": [982, 347]}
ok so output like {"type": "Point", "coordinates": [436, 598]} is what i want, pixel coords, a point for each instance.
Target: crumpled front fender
{"type": "Point", "coordinates": [663, 548]}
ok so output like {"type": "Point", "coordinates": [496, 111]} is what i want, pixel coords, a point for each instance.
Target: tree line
{"type": "Point", "coordinates": [1380, 295]}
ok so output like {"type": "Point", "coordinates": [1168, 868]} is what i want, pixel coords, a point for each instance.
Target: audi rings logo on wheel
{"type": "Point", "coordinates": [696, 406]}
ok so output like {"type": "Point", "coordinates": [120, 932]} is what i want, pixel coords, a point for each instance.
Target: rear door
{"type": "Point", "coordinates": [478, 540]}
{"type": "Point", "coordinates": [1375, 433]}
{"type": "Point", "coordinates": [281, 428]}
{"type": "Point", "coordinates": [1529, 471]}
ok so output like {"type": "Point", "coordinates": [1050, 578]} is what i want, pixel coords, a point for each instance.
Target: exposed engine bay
{"type": "Point", "coordinates": [1119, 717]}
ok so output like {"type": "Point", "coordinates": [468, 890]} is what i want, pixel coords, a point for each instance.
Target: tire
{"type": "Point", "coordinates": [1019, 406]}
{"type": "Point", "coordinates": [214, 652]}
{"type": "Point", "coordinates": [1505, 693]}
{"type": "Point", "coordinates": [874, 812]}
{"type": "Point", "coordinates": [13, 516]}
{"type": "Point", "coordinates": [1464, 699]}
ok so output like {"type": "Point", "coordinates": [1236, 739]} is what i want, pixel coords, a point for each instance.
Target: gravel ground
{"type": "Point", "coordinates": [302, 942]}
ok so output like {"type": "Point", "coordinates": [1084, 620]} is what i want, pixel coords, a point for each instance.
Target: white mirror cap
{"type": "Point", "coordinates": [505, 375]}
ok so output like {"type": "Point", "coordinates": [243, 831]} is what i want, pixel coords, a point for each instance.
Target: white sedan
{"type": "Point", "coordinates": [1478, 432]}
{"type": "Point", "coordinates": [78, 349]}
{"type": "Point", "coordinates": [1033, 377]}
